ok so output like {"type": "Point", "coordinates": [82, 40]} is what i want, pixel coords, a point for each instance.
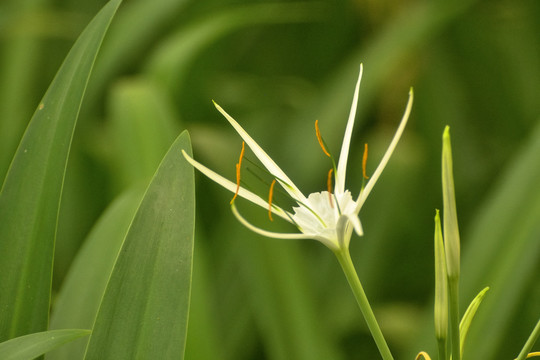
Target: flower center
{"type": "Point", "coordinates": [319, 217]}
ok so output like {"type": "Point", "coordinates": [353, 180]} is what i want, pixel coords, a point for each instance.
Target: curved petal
{"type": "Point", "coordinates": [369, 186]}
{"type": "Point", "coordinates": [276, 235]}
{"type": "Point", "coordinates": [344, 232]}
{"type": "Point", "coordinates": [229, 185]}
{"type": "Point", "coordinates": [342, 164]}
{"type": "Point", "coordinates": [266, 160]}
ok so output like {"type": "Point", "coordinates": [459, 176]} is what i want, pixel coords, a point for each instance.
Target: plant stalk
{"type": "Point", "coordinates": [345, 261]}
{"type": "Point", "coordinates": [530, 342]}
{"type": "Point", "coordinates": [442, 349]}
{"type": "Point", "coordinates": [453, 286]}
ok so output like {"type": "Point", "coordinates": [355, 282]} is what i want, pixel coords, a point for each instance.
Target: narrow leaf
{"type": "Point", "coordinates": [31, 346]}
{"type": "Point", "coordinates": [30, 196]}
{"type": "Point", "coordinates": [144, 311]}
{"type": "Point", "coordinates": [441, 290]}
{"type": "Point", "coordinates": [468, 317]}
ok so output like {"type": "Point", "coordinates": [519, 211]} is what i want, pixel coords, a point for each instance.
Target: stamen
{"type": "Point", "coordinates": [422, 354]}
{"type": "Point", "coordinates": [329, 187]}
{"type": "Point", "coordinates": [319, 138]}
{"type": "Point", "coordinates": [238, 167]}
{"type": "Point", "coordinates": [270, 199]}
{"type": "Point", "coordinates": [364, 161]}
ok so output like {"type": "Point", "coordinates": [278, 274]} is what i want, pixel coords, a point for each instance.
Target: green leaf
{"type": "Point", "coordinates": [78, 300]}
{"type": "Point", "coordinates": [440, 315]}
{"type": "Point", "coordinates": [144, 311]}
{"type": "Point", "coordinates": [34, 345]}
{"type": "Point", "coordinates": [468, 317]}
{"type": "Point", "coordinates": [30, 196]}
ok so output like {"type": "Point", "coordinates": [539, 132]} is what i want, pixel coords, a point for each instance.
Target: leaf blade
{"type": "Point", "coordinates": [144, 310]}
{"type": "Point", "coordinates": [78, 300]}
{"type": "Point", "coordinates": [30, 196]}
{"type": "Point", "coordinates": [30, 346]}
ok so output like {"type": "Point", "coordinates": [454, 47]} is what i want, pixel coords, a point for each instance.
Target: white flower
{"type": "Point", "coordinates": [327, 217]}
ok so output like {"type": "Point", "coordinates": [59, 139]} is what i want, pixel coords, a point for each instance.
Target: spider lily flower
{"type": "Point", "coordinates": [327, 216]}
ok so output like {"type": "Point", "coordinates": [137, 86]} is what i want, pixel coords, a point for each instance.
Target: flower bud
{"type": "Point", "coordinates": [451, 231]}
{"type": "Point", "coordinates": [441, 284]}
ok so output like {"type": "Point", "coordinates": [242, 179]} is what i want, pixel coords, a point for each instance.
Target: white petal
{"type": "Point", "coordinates": [369, 186]}
{"type": "Point", "coordinates": [357, 225]}
{"type": "Point", "coordinates": [291, 236]}
{"type": "Point", "coordinates": [342, 164]}
{"type": "Point", "coordinates": [266, 160]}
{"type": "Point", "coordinates": [343, 232]}
{"type": "Point", "coordinates": [229, 185]}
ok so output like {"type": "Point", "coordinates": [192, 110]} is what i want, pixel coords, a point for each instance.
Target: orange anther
{"type": "Point", "coordinates": [329, 186]}
{"type": "Point", "coordinates": [364, 161]}
{"type": "Point", "coordinates": [270, 194]}
{"type": "Point", "coordinates": [238, 167]}
{"type": "Point", "coordinates": [319, 138]}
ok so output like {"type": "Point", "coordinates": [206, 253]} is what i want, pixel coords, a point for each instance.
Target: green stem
{"type": "Point", "coordinates": [442, 348]}
{"type": "Point", "coordinates": [530, 342]}
{"type": "Point", "coordinates": [453, 285]}
{"type": "Point", "coordinates": [345, 261]}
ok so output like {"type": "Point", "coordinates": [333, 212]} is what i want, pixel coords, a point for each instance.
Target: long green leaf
{"type": "Point", "coordinates": [28, 347]}
{"type": "Point", "coordinates": [144, 311]}
{"type": "Point", "coordinates": [78, 301]}
{"type": "Point", "coordinates": [467, 318]}
{"type": "Point", "coordinates": [31, 193]}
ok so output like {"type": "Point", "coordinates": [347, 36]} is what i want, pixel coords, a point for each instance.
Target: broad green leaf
{"type": "Point", "coordinates": [467, 318]}
{"type": "Point", "coordinates": [143, 314]}
{"type": "Point", "coordinates": [28, 347]}
{"type": "Point", "coordinates": [78, 301]}
{"type": "Point", "coordinates": [31, 193]}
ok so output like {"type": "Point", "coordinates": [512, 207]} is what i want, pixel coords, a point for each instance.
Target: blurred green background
{"type": "Point", "coordinates": [276, 67]}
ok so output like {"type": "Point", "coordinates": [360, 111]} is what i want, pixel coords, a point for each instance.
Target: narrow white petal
{"type": "Point", "coordinates": [357, 225]}
{"type": "Point", "coordinates": [266, 160]}
{"type": "Point", "coordinates": [369, 186]}
{"type": "Point", "coordinates": [271, 234]}
{"type": "Point", "coordinates": [229, 185]}
{"type": "Point", "coordinates": [342, 164]}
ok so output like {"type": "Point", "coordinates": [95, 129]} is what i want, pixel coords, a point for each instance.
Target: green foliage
{"type": "Point", "coordinates": [152, 246]}
{"type": "Point", "coordinates": [30, 196]}
{"type": "Point", "coordinates": [145, 306]}
{"type": "Point", "coordinates": [29, 347]}
{"type": "Point", "coordinates": [277, 67]}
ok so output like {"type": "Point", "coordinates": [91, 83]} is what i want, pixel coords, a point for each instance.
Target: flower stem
{"type": "Point", "coordinates": [345, 261]}
{"type": "Point", "coordinates": [442, 349]}
{"type": "Point", "coordinates": [453, 285]}
{"type": "Point", "coordinates": [530, 342]}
